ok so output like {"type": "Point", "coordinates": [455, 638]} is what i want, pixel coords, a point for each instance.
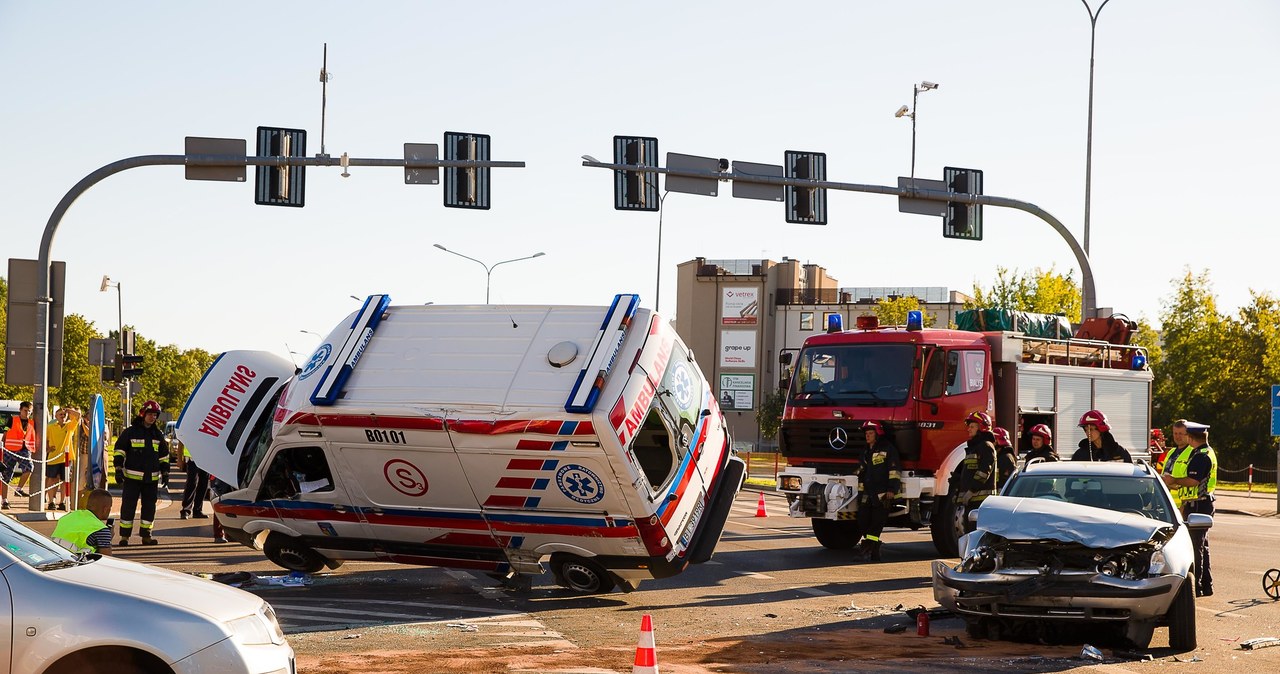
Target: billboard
{"type": "Point", "coordinates": [739, 306]}
{"type": "Point", "coordinates": [737, 392]}
{"type": "Point", "coordinates": [738, 348]}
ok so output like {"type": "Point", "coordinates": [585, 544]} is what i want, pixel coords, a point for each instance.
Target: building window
{"type": "Point", "coordinates": [806, 320]}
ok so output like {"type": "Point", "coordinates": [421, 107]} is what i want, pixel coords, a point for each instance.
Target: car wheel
{"type": "Point", "coordinates": [947, 526]}
{"type": "Point", "coordinates": [580, 574]}
{"type": "Point", "coordinates": [1182, 616]}
{"type": "Point", "coordinates": [292, 554]}
{"type": "Point", "coordinates": [837, 534]}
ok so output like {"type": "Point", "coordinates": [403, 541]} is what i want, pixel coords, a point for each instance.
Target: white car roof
{"type": "Point", "coordinates": [1099, 468]}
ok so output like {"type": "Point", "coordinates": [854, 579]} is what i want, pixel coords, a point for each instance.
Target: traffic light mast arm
{"type": "Point", "coordinates": [51, 228]}
{"type": "Point", "coordinates": [1088, 299]}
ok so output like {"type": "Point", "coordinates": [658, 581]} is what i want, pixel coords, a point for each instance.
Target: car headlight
{"type": "Point", "coordinates": [258, 629]}
{"type": "Point", "coordinates": [1158, 563]}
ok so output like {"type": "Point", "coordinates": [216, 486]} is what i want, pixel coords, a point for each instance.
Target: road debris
{"type": "Point", "coordinates": [352, 636]}
{"type": "Point", "coordinates": [953, 641]}
{"type": "Point", "coordinates": [1194, 658]}
{"type": "Point", "coordinates": [1125, 654]}
{"type": "Point", "coordinates": [1090, 653]}
{"type": "Point", "coordinates": [1260, 642]}
{"type": "Point", "coordinates": [896, 629]}
{"type": "Point", "coordinates": [464, 627]}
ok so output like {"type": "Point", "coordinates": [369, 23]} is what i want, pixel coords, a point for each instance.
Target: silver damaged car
{"type": "Point", "coordinates": [1077, 541]}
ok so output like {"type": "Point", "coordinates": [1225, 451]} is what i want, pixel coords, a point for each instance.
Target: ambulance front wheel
{"type": "Point", "coordinates": [292, 554]}
{"type": "Point", "coordinates": [580, 574]}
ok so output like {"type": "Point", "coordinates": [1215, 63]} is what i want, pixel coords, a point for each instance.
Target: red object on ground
{"type": "Point", "coordinates": [760, 507]}
{"type": "Point", "coordinates": [646, 652]}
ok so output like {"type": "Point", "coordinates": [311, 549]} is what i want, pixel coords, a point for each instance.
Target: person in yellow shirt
{"type": "Point", "coordinates": [63, 440]}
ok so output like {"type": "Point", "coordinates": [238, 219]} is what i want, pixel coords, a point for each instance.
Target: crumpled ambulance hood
{"type": "Point", "coordinates": [1032, 519]}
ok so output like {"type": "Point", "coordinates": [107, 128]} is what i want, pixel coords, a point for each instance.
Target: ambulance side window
{"type": "Point", "coordinates": [295, 471]}
{"type": "Point", "coordinates": [652, 449]}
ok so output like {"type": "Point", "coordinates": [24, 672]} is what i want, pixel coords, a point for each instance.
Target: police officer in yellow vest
{"type": "Point", "coordinates": [1180, 443]}
{"type": "Point", "coordinates": [87, 530]}
{"type": "Point", "coordinates": [1193, 480]}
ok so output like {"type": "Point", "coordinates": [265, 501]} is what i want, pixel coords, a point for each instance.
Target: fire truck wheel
{"type": "Point", "coordinates": [946, 526]}
{"type": "Point", "coordinates": [580, 574]}
{"type": "Point", "coordinates": [837, 534]}
{"type": "Point", "coordinates": [292, 554]}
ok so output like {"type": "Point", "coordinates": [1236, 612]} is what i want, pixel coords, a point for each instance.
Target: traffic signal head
{"type": "Point", "coordinates": [961, 220]}
{"type": "Point", "coordinates": [280, 185]}
{"type": "Point", "coordinates": [466, 187]}
{"type": "Point", "coordinates": [635, 190]}
{"type": "Point", "coordinates": [805, 205]}
{"type": "Point", "coordinates": [130, 366]}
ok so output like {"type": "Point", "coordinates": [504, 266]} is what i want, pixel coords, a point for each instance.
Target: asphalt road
{"type": "Point", "coordinates": [771, 600]}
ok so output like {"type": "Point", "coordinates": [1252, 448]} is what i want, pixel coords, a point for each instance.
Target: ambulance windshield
{"type": "Point", "coordinates": [259, 441]}
{"type": "Point", "coordinates": [668, 429]}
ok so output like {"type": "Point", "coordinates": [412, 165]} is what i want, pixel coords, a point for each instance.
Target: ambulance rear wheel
{"type": "Point", "coordinates": [292, 554]}
{"type": "Point", "coordinates": [837, 534]}
{"type": "Point", "coordinates": [580, 574]}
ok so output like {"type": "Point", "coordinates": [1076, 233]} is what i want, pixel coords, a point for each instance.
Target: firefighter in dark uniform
{"type": "Point", "coordinates": [879, 474]}
{"type": "Point", "coordinates": [141, 456]}
{"type": "Point", "coordinates": [1041, 446]}
{"type": "Point", "coordinates": [1006, 458]}
{"type": "Point", "coordinates": [1194, 478]}
{"type": "Point", "coordinates": [975, 478]}
{"type": "Point", "coordinates": [1099, 444]}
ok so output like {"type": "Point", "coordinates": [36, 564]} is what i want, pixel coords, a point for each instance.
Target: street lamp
{"type": "Point", "coordinates": [1088, 150]}
{"type": "Point", "coordinates": [108, 283]}
{"type": "Point", "coordinates": [488, 269]}
{"type": "Point", "coordinates": [903, 111]}
{"type": "Point", "coordinates": [308, 332]}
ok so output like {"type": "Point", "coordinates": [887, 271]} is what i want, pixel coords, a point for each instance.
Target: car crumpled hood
{"type": "Point", "coordinates": [1030, 519]}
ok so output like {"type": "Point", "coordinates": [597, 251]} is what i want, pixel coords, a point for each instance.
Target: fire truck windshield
{"type": "Point", "coordinates": [853, 374]}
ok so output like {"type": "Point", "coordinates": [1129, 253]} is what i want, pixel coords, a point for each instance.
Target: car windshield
{"type": "Point", "coordinates": [1139, 495]}
{"type": "Point", "coordinates": [31, 548]}
{"type": "Point", "coordinates": [853, 374]}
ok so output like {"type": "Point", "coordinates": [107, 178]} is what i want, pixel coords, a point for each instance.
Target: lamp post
{"type": "Point", "coordinates": [915, 101]}
{"type": "Point", "coordinates": [1088, 149]}
{"type": "Point", "coordinates": [488, 269]}
{"type": "Point", "coordinates": [108, 283]}
{"type": "Point", "coordinates": [308, 332]}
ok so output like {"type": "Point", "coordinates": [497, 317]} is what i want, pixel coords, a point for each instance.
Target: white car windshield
{"type": "Point", "coordinates": [1139, 495]}
{"type": "Point", "coordinates": [31, 548]}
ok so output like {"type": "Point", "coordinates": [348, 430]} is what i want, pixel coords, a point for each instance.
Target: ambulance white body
{"type": "Point", "coordinates": [478, 437]}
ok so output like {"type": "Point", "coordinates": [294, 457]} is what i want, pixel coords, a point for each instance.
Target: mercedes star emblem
{"type": "Point", "coordinates": [838, 439]}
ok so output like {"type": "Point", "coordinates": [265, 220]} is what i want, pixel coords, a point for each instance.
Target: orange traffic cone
{"type": "Point", "coordinates": [646, 653]}
{"type": "Point", "coordinates": [760, 507]}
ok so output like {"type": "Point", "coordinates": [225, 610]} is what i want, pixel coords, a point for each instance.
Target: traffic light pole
{"type": "Point", "coordinates": [43, 298]}
{"type": "Point", "coordinates": [1088, 296]}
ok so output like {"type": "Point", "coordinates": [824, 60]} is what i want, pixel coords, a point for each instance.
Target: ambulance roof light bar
{"type": "Point", "coordinates": [603, 353]}
{"type": "Point", "coordinates": [329, 389]}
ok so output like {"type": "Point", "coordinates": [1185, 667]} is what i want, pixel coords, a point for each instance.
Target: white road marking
{"type": "Point", "coordinates": [1219, 614]}
{"type": "Point", "coordinates": [753, 574]}
{"type": "Point", "coordinates": [419, 604]}
{"type": "Point", "coordinates": [814, 591]}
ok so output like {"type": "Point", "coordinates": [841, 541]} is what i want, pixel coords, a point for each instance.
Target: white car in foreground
{"type": "Point", "coordinates": [63, 614]}
{"type": "Point", "coordinates": [1077, 541]}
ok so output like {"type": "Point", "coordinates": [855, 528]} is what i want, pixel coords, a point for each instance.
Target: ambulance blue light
{"type": "Point", "coordinates": [835, 323]}
{"type": "Point", "coordinates": [613, 329]}
{"type": "Point", "coordinates": [1139, 361]}
{"type": "Point", "coordinates": [915, 320]}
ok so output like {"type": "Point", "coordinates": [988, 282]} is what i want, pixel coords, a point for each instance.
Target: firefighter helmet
{"type": "Point", "coordinates": [149, 407]}
{"type": "Point", "coordinates": [1002, 437]}
{"type": "Point", "coordinates": [1095, 418]}
{"type": "Point", "coordinates": [982, 419]}
{"type": "Point", "coordinates": [1043, 431]}
{"type": "Point", "coordinates": [873, 426]}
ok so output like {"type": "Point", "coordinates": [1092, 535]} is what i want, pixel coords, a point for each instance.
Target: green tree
{"type": "Point", "coordinates": [894, 311]}
{"type": "Point", "coordinates": [1040, 291]}
{"type": "Point", "coordinates": [769, 413]}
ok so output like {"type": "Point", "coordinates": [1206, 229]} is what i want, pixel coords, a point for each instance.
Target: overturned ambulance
{"type": "Point", "coordinates": [478, 437]}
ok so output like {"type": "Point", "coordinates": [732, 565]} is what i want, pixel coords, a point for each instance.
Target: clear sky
{"type": "Point", "coordinates": [1184, 159]}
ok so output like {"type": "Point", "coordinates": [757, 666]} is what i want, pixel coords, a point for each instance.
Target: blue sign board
{"type": "Point", "coordinates": [1275, 395]}
{"type": "Point", "coordinates": [1275, 421]}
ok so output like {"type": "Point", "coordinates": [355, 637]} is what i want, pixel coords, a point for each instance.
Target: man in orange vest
{"type": "Point", "coordinates": [19, 440]}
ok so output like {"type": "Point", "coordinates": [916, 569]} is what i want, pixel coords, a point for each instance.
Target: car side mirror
{"type": "Point", "coordinates": [1199, 521]}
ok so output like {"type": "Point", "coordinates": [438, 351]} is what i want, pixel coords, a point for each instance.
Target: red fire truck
{"type": "Point", "coordinates": [921, 383]}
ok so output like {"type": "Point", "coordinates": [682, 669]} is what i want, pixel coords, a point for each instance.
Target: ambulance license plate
{"type": "Point", "coordinates": [692, 524]}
